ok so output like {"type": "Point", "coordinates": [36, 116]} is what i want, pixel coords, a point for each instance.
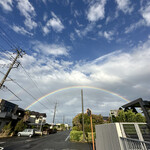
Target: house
{"type": "Point", "coordinates": [36, 117]}
{"type": "Point", "coordinates": [8, 112]}
{"type": "Point", "coordinates": [113, 113]}
{"type": "Point", "coordinates": [61, 126]}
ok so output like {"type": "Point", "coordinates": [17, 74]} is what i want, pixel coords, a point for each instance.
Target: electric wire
{"type": "Point", "coordinates": [12, 92]}
{"type": "Point", "coordinates": [32, 80]}
{"type": "Point", "coordinates": [8, 38]}
{"type": "Point", "coordinates": [24, 90]}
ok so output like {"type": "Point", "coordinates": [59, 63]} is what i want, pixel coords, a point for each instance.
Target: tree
{"type": "Point", "coordinates": [77, 122]}
{"type": "Point", "coordinates": [20, 126]}
{"type": "Point", "coordinates": [140, 118]}
{"type": "Point", "coordinates": [26, 116]}
{"type": "Point", "coordinates": [128, 116]}
{"type": "Point", "coordinates": [7, 129]}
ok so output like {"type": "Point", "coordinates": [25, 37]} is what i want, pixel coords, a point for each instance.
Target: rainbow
{"type": "Point", "coordinates": [76, 87]}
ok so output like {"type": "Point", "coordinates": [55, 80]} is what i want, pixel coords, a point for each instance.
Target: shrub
{"type": "Point", "coordinates": [7, 129]}
{"type": "Point", "coordinates": [89, 136]}
{"type": "Point", "coordinates": [75, 128]}
{"type": "Point", "coordinates": [20, 126]}
{"type": "Point", "coordinates": [76, 135]}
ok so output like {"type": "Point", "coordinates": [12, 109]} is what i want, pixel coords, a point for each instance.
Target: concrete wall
{"type": "Point", "coordinates": [107, 137]}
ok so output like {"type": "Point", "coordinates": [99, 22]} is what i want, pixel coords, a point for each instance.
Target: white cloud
{"type": "Point", "coordinates": [21, 30]}
{"type": "Point", "coordinates": [96, 11]}
{"type": "Point", "coordinates": [53, 23]}
{"type": "Point", "coordinates": [146, 14]}
{"type": "Point", "coordinates": [77, 13]}
{"type": "Point", "coordinates": [50, 49]}
{"type": "Point", "coordinates": [86, 30]}
{"type": "Point", "coordinates": [107, 34]}
{"type": "Point", "coordinates": [6, 4]}
{"type": "Point", "coordinates": [72, 37]}
{"type": "Point", "coordinates": [125, 6]}
{"type": "Point", "coordinates": [134, 26]}
{"type": "Point", "coordinates": [30, 23]}
{"type": "Point", "coordinates": [27, 10]}
{"type": "Point", "coordinates": [45, 16]}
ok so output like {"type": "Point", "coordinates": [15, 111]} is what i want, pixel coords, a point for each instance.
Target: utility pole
{"type": "Point", "coordinates": [54, 113]}
{"type": "Point", "coordinates": [82, 115]}
{"type": "Point", "coordinates": [63, 119]}
{"type": "Point", "coordinates": [11, 66]}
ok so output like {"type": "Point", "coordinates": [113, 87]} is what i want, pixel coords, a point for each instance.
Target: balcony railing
{"type": "Point", "coordinates": [133, 144]}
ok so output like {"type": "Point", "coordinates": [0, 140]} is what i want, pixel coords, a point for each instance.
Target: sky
{"type": "Point", "coordinates": [92, 43]}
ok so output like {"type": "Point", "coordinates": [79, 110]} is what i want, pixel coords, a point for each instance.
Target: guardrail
{"type": "Point", "coordinates": [133, 144]}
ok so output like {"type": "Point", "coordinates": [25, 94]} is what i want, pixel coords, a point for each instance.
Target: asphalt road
{"type": "Point", "coordinates": [58, 141]}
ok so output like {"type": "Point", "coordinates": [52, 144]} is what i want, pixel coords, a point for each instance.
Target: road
{"type": "Point", "coordinates": [58, 141]}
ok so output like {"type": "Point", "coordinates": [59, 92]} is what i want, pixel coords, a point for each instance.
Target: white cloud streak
{"type": "Point", "coordinates": [27, 10]}
{"type": "Point", "coordinates": [6, 4]}
{"type": "Point", "coordinates": [146, 13]}
{"type": "Point", "coordinates": [107, 34]}
{"type": "Point", "coordinates": [125, 6]}
{"type": "Point", "coordinates": [54, 23]}
{"type": "Point", "coordinates": [134, 26]}
{"type": "Point", "coordinates": [96, 11]}
{"type": "Point", "coordinates": [21, 30]}
{"type": "Point", "coordinates": [50, 49]}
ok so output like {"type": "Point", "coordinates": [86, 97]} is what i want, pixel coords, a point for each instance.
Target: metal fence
{"type": "Point", "coordinates": [133, 144]}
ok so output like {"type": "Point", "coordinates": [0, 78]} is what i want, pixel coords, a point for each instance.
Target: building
{"type": "Point", "coordinates": [36, 117]}
{"type": "Point", "coordinates": [8, 112]}
{"type": "Point", "coordinates": [113, 113]}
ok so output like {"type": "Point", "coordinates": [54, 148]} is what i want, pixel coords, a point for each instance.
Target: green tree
{"type": "Point", "coordinates": [140, 118]}
{"type": "Point", "coordinates": [128, 116]}
{"type": "Point", "coordinates": [20, 126]}
{"type": "Point", "coordinates": [121, 116]}
{"type": "Point", "coordinates": [77, 122]}
{"type": "Point", "coordinates": [7, 129]}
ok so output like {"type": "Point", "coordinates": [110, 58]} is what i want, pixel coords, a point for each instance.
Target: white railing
{"type": "Point", "coordinates": [133, 144]}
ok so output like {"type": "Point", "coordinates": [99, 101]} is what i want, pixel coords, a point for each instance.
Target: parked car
{"type": "Point", "coordinates": [27, 132]}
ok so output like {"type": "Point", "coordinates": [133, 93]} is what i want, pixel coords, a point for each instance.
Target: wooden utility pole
{"type": "Point", "coordinates": [11, 66]}
{"type": "Point", "coordinates": [54, 113]}
{"type": "Point", "coordinates": [82, 115]}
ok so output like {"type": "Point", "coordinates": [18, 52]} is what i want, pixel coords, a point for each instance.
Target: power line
{"type": "Point", "coordinates": [35, 84]}
{"type": "Point", "coordinates": [8, 38]}
{"type": "Point", "coordinates": [24, 89]}
{"type": "Point", "coordinates": [12, 92]}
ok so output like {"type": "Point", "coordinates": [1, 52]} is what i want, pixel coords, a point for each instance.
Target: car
{"type": "Point", "coordinates": [27, 132]}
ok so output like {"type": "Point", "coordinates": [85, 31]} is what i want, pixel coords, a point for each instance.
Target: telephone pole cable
{"type": "Point", "coordinates": [11, 66]}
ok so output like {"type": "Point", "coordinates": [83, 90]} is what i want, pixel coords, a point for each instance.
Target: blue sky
{"type": "Point", "coordinates": [99, 43]}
